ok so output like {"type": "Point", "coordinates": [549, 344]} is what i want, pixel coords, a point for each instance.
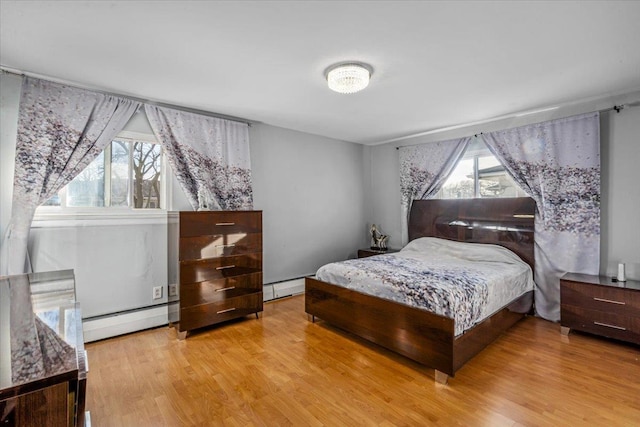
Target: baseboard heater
{"type": "Point", "coordinates": [125, 322]}
{"type": "Point", "coordinates": [283, 289]}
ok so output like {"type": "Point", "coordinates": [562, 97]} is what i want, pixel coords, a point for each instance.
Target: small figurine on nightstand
{"type": "Point", "coordinates": [379, 241]}
{"type": "Point", "coordinates": [621, 276]}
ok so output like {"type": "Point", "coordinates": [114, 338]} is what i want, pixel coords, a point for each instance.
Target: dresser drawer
{"type": "Point", "coordinates": [602, 298]}
{"type": "Point", "coordinates": [217, 245]}
{"type": "Point", "coordinates": [219, 268]}
{"type": "Point", "coordinates": [219, 290]}
{"type": "Point", "coordinates": [608, 324]}
{"type": "Point", "coordinates": [202, 223]}
{"type": "Point", "coordinates": [216, 312]}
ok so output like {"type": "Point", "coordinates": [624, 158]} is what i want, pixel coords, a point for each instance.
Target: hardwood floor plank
{"type": "Point", "coordinates": [284, 370]}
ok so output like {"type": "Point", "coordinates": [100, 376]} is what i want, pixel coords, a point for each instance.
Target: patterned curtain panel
{"type": "Point", "coordinates": [61, 129]}
{"type": "Point", "coordinates": [424, 169]}
{"type": "Point", "coordinates": [558, 164]}
{"type": "Point", "coordinates": [209, 156]}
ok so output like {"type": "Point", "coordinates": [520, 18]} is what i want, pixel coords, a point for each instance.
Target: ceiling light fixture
{"type": "Point", "coordinates": [348, 78]}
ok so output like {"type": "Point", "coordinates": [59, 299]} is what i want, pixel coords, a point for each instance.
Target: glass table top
{"type": "Point", "coordinates": [40, 330]}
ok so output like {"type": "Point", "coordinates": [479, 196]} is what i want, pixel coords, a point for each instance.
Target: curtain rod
{"type": "Point", "coordinates": [616, 108]}
{"type": "Point", "coordinates": [7, 70]}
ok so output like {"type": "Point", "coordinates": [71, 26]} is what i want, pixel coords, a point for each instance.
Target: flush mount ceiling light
{"type": "Point", "coordinates": [348, 78]}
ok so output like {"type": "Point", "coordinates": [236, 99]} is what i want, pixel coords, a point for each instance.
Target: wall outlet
{"type": "Point", "coordinates": [157, 292]}
{"type": "Point", "coordinates": [173, 290]}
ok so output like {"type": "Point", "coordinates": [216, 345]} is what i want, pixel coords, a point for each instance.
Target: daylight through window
{"type": "Point", "coordinates": [479, 174]}
{"type": "Point", "coordinates": [128, 173]}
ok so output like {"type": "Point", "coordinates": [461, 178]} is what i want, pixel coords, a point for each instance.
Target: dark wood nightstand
{"type": "Point", "coordinates": [363, 253]}
{"type": "Point", "coordinates": [597, 305]}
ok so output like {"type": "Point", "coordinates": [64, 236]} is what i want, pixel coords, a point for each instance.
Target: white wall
{"type": "Point", "coordinates": [318, 197]}
{"type": "Point", "coordinates": [116, 262]}
{"type": "Point", "coordinates": [311, 192]}
{"type": "Point", "coordinates": [310, 189]}
{"type": "Point", "coordinates": [620, 156]}
{"type": "Point", "coordinates": [620, 191]}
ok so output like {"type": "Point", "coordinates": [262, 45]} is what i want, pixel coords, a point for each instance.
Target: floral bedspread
{"type": "Point", "coordinates": [464, 281]}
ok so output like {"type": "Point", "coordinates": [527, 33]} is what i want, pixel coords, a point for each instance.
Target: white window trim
{"type": "Point", "coordinates": [137, 136]}
{"type": "Point", "coordinates": [56, 216]}
{"type": "Point", "coordinates": [80, 219]}
{"type": "Point", "coordinates": [476, 150]}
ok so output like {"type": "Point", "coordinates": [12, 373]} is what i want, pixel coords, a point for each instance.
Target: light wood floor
{"type": "Point", "coordinates": [284, 370]}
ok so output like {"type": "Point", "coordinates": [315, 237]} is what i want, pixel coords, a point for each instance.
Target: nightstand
{"type": "Point", "coordinates": [597, 305]}
{"type": "Point", "coordinates": [363, 253]}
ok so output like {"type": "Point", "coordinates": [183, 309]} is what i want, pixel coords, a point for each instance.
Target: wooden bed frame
{"type": "Point", "coordinates": [425, 337]}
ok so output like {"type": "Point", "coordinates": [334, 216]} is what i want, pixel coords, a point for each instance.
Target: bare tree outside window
{"type": "Point", "coordinates": [146, 175]}
{"type": "Point", "coordinates": [127, 173]}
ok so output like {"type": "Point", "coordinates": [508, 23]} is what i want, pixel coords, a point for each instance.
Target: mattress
{"type": "Point", "coordinates": [467, 282]}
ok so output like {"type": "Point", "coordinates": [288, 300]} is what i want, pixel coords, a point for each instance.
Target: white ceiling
{"type": "Point", "coordinates": [436, 64]}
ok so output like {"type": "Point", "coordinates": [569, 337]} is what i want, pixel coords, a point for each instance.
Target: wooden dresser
{"type": "Point", "coordinates": [219, 274]}
{"type": "Point", "coordinates": [597, 305]}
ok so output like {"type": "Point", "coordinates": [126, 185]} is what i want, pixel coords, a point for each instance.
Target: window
{"type": "Point", "coordinates": [127, 174]}
{"type": "Point", "coordinates": [479, 174]}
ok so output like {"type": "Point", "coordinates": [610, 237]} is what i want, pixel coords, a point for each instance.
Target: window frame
{"type": "Point", "coordinates": [477, 149]}
{"type": "Point", "coordinates": [71, 213]}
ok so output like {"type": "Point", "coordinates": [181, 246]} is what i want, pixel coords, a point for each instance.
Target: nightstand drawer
{"type": "Point", "coordinates": [602, 298]}
{"type": "Point", "coordinates": [608, 324]}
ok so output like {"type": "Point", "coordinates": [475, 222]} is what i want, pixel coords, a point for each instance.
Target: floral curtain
{"type": "Point", "coordinates": [61, 129]}
{"type": "Point", "coordinates": [558, 164]}
{"type": "Point", "coordinates": [210, 157]}
{"type": "Point", "coordinates": [424, 169]}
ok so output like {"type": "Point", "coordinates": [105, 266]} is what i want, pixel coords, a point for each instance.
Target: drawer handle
{"type": "Point", "coordinates": [224, 267]}
{"type": "Point", "coordinates": [610, 326]}
{"type": "Point", "coordinates": [609, 301]}
{"type": "Point", "coordinates": [226, 246]}
{"type": "Point", "coordinates": [225, 289]}
{"type": "Point", "coordinates": [225, 223]}
{"type": "Point", "coordinates": [226, 311]}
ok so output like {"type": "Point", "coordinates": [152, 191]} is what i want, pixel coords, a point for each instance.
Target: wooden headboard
{"type": "Point", "coordinates": [507, 222]}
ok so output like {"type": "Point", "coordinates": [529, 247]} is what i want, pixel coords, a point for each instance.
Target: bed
{"type": "Point", "coordinates": [434, 340]}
